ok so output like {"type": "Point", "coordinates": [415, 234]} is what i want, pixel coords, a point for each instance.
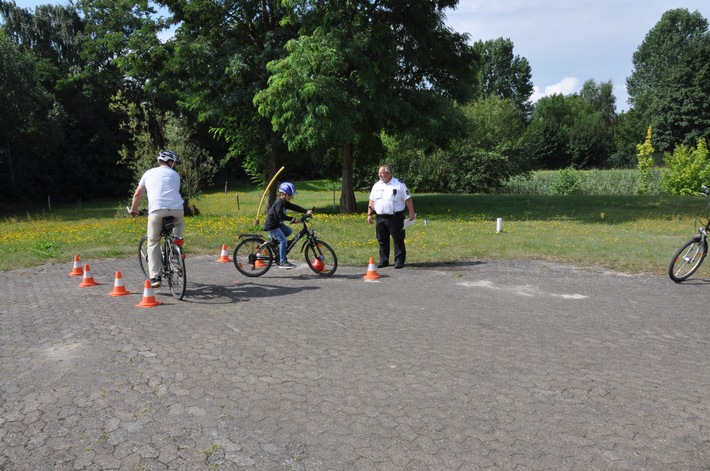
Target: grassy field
{"type": "Point", "coordinates": [628, 233]}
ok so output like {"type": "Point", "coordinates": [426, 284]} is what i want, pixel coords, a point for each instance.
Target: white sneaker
{"type": "Point", "coordinates": [287, 265]}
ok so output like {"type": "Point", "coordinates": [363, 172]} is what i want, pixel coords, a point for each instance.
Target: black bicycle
{"type": "Point", "coordinates": [254, 255]}
{"type": "Point", "coordinates": [690, 256]}
{"type": "Point", "coordinates": [173, 258]}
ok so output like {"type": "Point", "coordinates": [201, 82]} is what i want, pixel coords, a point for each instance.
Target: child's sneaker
{"type": "Point", "coordinates": [287, 265]}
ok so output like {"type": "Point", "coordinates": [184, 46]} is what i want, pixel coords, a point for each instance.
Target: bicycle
{"type": "Point", "coordinates": [172, 258]}
{"type": "Point", "coordinates": [690, 255]}
{"type": "Point", "coordinates": [255, 255]}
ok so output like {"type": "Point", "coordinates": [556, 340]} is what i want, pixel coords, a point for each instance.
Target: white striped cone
{"type": "Point", "coordinates": [87, 280]}
{"type": "Point", "coordinates": [119, 289]}
{"type": "Point", "coordinates": [371, 271]}
{"type": "Point", "coordinates": [148, 297]}
{"type": "Point", "coordinates": [224, 256]}
{"type": "Point", "coordinates": [76, 270]}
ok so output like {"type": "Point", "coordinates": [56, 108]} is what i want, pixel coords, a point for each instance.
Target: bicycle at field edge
{"type": "Point", "coordinates": [690, 255]}
{"type": "Point", "coordinates": [173, 257]}
{"type": "Point", "coordinates": [255, 255]}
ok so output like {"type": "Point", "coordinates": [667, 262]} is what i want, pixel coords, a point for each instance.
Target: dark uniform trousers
{"type": "Point", "coordinates": [391, 225]}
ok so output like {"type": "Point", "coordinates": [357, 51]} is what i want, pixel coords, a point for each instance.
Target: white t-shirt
{"type": "Point", "coordinates": [389, 197]}
{"type": "Point", "coordinates": [162, 185]}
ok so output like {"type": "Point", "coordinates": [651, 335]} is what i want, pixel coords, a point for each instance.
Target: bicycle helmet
{"type": "Point", "coordinates": [287, 188]}
{"type": "Point", "coordinates": [167, 156]}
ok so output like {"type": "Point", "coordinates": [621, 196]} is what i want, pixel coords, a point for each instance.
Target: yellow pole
{"type": "Point", "coordinates": [258, 211]}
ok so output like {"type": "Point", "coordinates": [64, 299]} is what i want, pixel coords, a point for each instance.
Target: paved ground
{"type": "Point", "coordinates": [483, 365]}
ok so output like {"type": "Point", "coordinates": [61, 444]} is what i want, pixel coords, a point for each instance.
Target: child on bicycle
{"type": "Point", "coordinates": [277, 215]}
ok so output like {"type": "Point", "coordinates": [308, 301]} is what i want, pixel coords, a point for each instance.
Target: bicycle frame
{"type": "Point", "coordinates": [172, 259]}
{"type": "Point", "coordinates": [255, 254]}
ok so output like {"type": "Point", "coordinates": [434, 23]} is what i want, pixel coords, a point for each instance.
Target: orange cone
{"type": "Point", "coordinates": [224, 257]}
{"type": "Point", "coordinates": [88, 280]}
{"type": "Point", "coordinates": [119, 289]}
{"type": "Point", "coordinates": [260, 263]}
{"type": "Point", "coordinates": [148, 297]}
{"type": "Point", "coordinates": [371, 271]}
{"type": "Point", "coordinates": [76, 271]}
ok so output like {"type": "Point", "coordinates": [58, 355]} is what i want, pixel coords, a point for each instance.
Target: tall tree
{"type": "Point", "coordinates": [219, 64]}
{"type": "Point", "coordinates": [547, 135]}
{"type": "Point", "coordinates": [670, 82]}
{"type": "Point", "coordinates": [26, 113]}
{"type": "Point", "coordinates": [504, 74]}
{"type": "Point", "coordinates": [361, 67]}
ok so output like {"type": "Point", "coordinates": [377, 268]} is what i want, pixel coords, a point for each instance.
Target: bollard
{"type": "Point", "coordinates": [499, 225]}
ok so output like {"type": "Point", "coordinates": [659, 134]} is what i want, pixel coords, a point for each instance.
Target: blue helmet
{"type": "Point", "coordinates": [287, 188]}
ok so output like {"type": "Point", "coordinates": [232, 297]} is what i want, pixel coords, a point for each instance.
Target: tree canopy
{"type": "Point", "coordinates": [670, 82]}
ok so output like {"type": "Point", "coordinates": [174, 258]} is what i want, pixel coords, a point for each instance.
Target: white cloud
{"type": "Point", "coordinates": [566, 86]}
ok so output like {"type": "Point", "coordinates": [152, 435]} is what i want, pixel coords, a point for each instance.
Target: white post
{"type": "Point", "coordinates": [499, 225]}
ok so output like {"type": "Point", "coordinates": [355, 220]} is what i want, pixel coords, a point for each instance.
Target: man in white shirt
{"type": "Point", "coordinates": [162, 186]}
{"type": "Point", "coordinates": [388, 200]}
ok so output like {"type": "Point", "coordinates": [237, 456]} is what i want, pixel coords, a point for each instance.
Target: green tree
{"type": "Point", "coordinates": [546, 137]}
{"type": "Point", "coordinates": [28, 110]}
{"type": "Point", "coordinates": [687, 169]}
{"type": "Point", "coordinates": [645, 164]}
{"type": "Point", "coordinates": [218, 65]}
{"type": "Point", "coordinates": [358, 68]}
{"type": "Point", "coordinates": [504, 74]}
{"type": "Point", "coordinates": [669, 85]}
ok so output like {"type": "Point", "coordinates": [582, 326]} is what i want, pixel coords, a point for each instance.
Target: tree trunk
{"type": "Point", "coordinates": [348, 204]}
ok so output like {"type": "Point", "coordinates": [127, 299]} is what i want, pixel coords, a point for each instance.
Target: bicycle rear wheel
{"type": "Point", "coordinates": [321, 258]}
{"type": "Point", "coordinates": [688, 259]}
{"type": "Point", "coordinates": [177, 279]}
{"type": "Point", "coordinates": [143, 256]}
{"type": "Point", "coordinates": [253, 257]}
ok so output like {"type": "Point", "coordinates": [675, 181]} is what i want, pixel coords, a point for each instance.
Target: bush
{"type": "Point", "coordinates": [688, 169]}
{"type": "Point", "coordinates": [567, 183]}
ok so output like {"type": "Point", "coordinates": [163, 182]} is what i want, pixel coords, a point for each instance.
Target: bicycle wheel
{"type": "Point", "coordinates": [688, 259]}
{"type": "Point", "coordinates": [321, 257]}
{"type": "Point", "coordinates": [253, 257]}
{"type": "Point", "coordinates": [176, 275]}
{"type": "Point", "coordinates": [143, 256]}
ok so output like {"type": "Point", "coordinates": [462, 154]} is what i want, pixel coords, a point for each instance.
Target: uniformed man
{"type": "Point", "coordinates": [388, 200]}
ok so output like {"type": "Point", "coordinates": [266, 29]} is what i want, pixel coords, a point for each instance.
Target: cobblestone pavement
{"type": "Point", "coordinates": [490, 365]}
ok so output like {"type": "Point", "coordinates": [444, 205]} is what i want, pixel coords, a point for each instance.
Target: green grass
{"type": "Point", "coordinates": [635, 234]}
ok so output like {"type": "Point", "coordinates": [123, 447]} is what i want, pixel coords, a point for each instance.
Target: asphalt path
{"type": "Point", "coordinates": [490, 365]}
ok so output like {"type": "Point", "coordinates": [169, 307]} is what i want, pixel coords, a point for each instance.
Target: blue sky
{"type": "Point", "coordinates": [566, 42]}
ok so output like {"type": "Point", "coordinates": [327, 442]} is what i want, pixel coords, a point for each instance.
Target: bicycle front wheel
{"type": "Point", "coordinates": [177, 278]}
{"type": "Point", "coordinates": [253, 257]}
{"type": "Point", "coordinates": [688, 259]}
{"type": "Point", "coordinates": [321, 257]}
{"type": "Point", "coordinates": [143, 256]}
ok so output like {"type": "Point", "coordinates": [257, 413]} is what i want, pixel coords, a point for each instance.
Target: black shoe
{"type": "Point", "coordinates": [383, 264]}
{"type": "Point", "coordinates": [398, 265]}
{"type": "Point", "coordinates": [155, 282]}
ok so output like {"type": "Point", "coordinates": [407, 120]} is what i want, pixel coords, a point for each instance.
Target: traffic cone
{"type": "Point", "coordinates": [148, 297]}
{"type": "Point", "coordinates": [88, 280]}
{"type": "Point", "coordinates": [371, 271]}
{"type": "Point", "coordinates": [224, 257]}
{"type": "Point", "coordinates": [259, 262]}
{"type": "Point", "coordinates": [119, 289]}
{"type": "Point", "coordinates": [76, 271]}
